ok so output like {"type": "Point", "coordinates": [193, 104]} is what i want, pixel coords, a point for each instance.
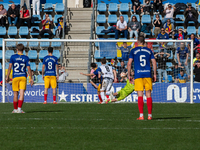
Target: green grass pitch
{"type": "Point", "coordinates": [104, 127]}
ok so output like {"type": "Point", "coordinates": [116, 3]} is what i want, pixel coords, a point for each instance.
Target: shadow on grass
{"type": "Point", "coordinates": [45, 111]}
{"type": "Point", "coordinates": [171, 118]}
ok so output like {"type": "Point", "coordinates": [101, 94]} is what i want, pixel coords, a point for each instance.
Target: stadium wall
{"type": "Point", "coordinates": [76, 92]}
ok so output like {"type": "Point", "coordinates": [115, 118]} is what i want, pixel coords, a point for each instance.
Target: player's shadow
{"type": "Point", "coordinates": [45, 111]}
{"type": "Point", "coordinates": [171, 118]}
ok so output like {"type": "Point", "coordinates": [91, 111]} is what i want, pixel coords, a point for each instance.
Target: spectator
{"type": "Point", "coordinates": [196, 60]}
{"type": "Point", "coordinates": [197, 73]}
{"type": "Point", "coordinates": [134, 27]}
{"type": "Point", "coordinates": [161, 59]}
{"type": "Point", "coordinates": [34, 77]}
{"type": "Point", "coordinates": [169, 14]}
{"type": "Point", "coordinates": [178, 36]}
{"type": "Point", "coordinates": [182, 57]}
{"type": "Point", "coordinates": [62, 73]}
{"type": "Point", "coordinates": [46, 23]}
{"type": "Point", "coordinates": [120, 70]}
{"type": "Point", "coordinates": [176, 69]}
{"type": "Point", "coordinates": [13, 14]}
{"type": "Point", "coordinates": [169, 27]}
{"type": "Point", "coordinates": [121, 27]}
{"type": "Point", "coordinates": [190, 15]}
{"type": "Point", "coordinates": [162, 35]}
{"type": "Point", "coordinates": [136, 6]}
{"type": "Point", "coordinates": [181, 78]}
{"type": "Point", "coordinates": [157, 5]}
{"type": "Point", "coordinates": [59, 31]}
{"type": "Point", "coordinates": [24, 16]}
{"type": "Point", "coordinates": [27, 5]}
{"type": "Point", "coordinates": [3, 14]}
{"type": "Point", "coordinates": [125, 50]}
{"type": "Point", "coordinates": [158, 24]}
{"type": "Point", "coordinates": [195, 43]}
{"type": "Point", "coordinates": [145, 9]}
{"type": "Point", "coordinates": [36, 2]}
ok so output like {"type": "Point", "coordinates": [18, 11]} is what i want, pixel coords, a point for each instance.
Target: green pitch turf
{"type": "Point", "coordinates": [104, 127]}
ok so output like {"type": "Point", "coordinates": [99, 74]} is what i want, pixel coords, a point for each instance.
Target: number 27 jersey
{"type": "Point", "coordinates": [142, 61]}
{"type": "Point", "coordinates": [19, 63]}
{"type": "Point", "coordinates": [50, 63]}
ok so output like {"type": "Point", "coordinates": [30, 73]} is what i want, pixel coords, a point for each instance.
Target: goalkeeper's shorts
{"type": "Point", "coordinates": [126, 91]}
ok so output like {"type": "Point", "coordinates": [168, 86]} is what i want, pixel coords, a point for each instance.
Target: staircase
{"type": "Point", "coordinates": [76, 54]}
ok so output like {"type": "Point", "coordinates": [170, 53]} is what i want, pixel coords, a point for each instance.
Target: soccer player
{"type": "Point", "coordinates": [50, 69]}
{"type": "Point", "coordinates": [19, 62]}
{"type": "Point", "coordinates": [108, 74]}
{"type": "Point", "coordinates": [142, 57]}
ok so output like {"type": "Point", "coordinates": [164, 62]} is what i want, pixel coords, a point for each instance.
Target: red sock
{"type": "Point", "coordinates": [45, 97]}
{"type": "Point", "coordinates": [140, 104]}
{"type": "Point", "coordinates": [54, 98]}
{"type": "Point", "coordinates": [15, 104]}
{"type": "Point", "coordinates": [100, 98]}
{"type": "Point", "coordinates": [149, 105]}
{"type": "Point", "coordinates": [20, 102]}
{"type": "Point", "coordinates": [107, 96]}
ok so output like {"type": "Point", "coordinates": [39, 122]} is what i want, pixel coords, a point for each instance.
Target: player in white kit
{"type": "Point", "coordinates": [108, 75]}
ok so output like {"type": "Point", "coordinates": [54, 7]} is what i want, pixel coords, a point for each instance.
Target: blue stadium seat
{"type": "Point", "coordinates": [24, 52]}
{"type": "Point", "coordinates": [125, 17]}
{"type": "Point", "coordinates": [56, 17]}
{"type": "Point", "coordinates": [40, 80]}
{"type": "Point", "coordinates": [181, 17]}
{"type": "Point", "coordinates": [48, 7]}
{"type": "Point", "coordinates": [38, 16]}
{"type": "Point", "coordinates": [5, 5]}
{"type": "Point", "coordinates": [44, 44]}
{"type": "Point", "coordinates": [99, 29]}
{"type": "Point", "coordinates": [0, 66]}
{"type": "Point", "coordinates": [56, 53]}
{"type": "Point", "coordinates": [6, 65]}
{"type": "Point", "coordinates": [0, 54]}
{"type": "Point", "coordinates": [59, 7]}
{"type": "Point", "coordinates": [194, 5]}
{"type": "Point", "coordinates": [199, 16]}
{"type": "Point", "coordinates": [169, 64]}
{"type": "Point", "coordinates": [33, 66]}
{"type": "Point", "coordinates": [146, 19]}
{"type": "Point", "coordinates": [169, 79]}
{"type": "Point", "coordinates": [34, 44]}
{"type": "Point", "coordinates": [40, 66]}
{"type": "Point", "coordinates": [101, 19]}
{"type": "Point", "coordinates": [98, 63]}
{"type": "Point", "coordinates": [156, 51]}
{"type": "Point", "coordinates": [97, 54]}
{"type": "Point", "coordinates": [137, 16]}
{"type": "Point", "coordinates": [11, 44]}
{"type": "Point", "coordinates": [198, 31]}
{"type": "Point", "coordinates": [190, 30]}
{"type": "Point", "coordinates": [50, 17]}
{"type": "Point", "coordinates": [23, 31]}
{"type": "Point", "coordinates": [178, 27]}
{"type": "Point", "coordinates": [112, 19]}
{"type": "Point", "coordinates": [12, 30]}
{"type": "Point", "coordinates": [3, 30]}
{"type": "Point", "coordinates": [112, 7]}
{"type": "Point", "coordinates": [113, 33]}
{"type": "Point", "coordinates": [32, 54]}
{"type": "Point", "coordinates": [1, 41]}
{"type": "Point", "coordinates": [9, 53]}
{"type": "Point", "coordinates": [56, 44]}
{"type": "Point", "coordinates": [24, 42]}
{"type": "Point", "coordinates": [37, 27]}
{"type": "Point", "coordinates": [124, 7]}
{"type": "Point", "coordinates": [101, 7]}
{"type": "Point", "coordinates": [42, 54]}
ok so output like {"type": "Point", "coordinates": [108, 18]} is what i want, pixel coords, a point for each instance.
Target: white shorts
{"type": "Point", "coordinates": [106, 84]}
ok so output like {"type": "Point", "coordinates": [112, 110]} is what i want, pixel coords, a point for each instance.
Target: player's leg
{"type": "Point", "coordinates": [148, 89]}
{"type": "Point", "coordinates": [103, 89]}
{"type": "Point", "coordinates": [45, 95]}
{"type": "Point", "coordinates": [139, 87]}
{"type": "Point", "coordinates": [110, 83]}
{"type": "Point", "coordinates": [15, 101]}
{"type": "Point", "coordinates": [22, 88]}
{"type": "Point", "coordinates": [54, 96]}
{"type": "Point", "coordinates": [54, 86]}
{"type": "Point", "coordinates": [46, 86]}
{"type": "Point", "coordinates": [99, 95]}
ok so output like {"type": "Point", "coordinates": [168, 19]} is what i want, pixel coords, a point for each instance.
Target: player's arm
{"type": "Point", "coordinates": [129, 68]}
{"type": "Point", "coordinates": [154, 68]}
{"type": "Point", "coordinates": [43, 67]}
{"type": "Point", "coordinates": [30, 74]}
{"type": "Point", "coordinates": [115, 75]}
{"type": "Point", "coordinates": [57, 71]}
{"type": "Point", "coordinates": [8, 73]}
{"type": "Point", "coordinates": [89, 75]}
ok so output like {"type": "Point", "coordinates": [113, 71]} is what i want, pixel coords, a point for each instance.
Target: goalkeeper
{"type": "Point", "coordinates": [123, 93]}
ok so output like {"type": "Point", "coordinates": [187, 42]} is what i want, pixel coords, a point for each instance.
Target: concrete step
{"type": "Point", "coordinates": [85, 25]}
{"type": "Point", "coordinates": [76, 68]}
{"type": "Point", "coordinates": [77, 56]}
{"type": "Point", "coordinates": [78, 36]}
{"type": "Point", "coordinates": [79, 15]}
{"type": "Point", "coordinates": [77, 52]}
{"type": "Point", "coordinates": [73, 65]}
{"type": "Point", "coordinates": [77, 31]}
{"type": "Point", "coordinates": [79, 9]}
{"type": "Point", "coordinates": [78, 61]}
{"type": "Point", "coordinates": [77, 44]}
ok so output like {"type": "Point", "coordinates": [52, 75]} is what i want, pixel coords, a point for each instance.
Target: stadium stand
{"type": "Point", "coordinates": [3, 30]}
{"type": "Point", "coordinates": [40, 80]}
{"type": "Point", "coordinates": [112, 8]}
{"type": "Point", "coordinates": [112, 19]}
{"type": "Point", "coordinates": [48, 7]}
{"type": "Point", "coordinates": [12, 31]}
{"type": "Point", "coordinates": [124, 7]}
{"type": "Point", "coordinates": [42, 54]}
{"type": "Point", "coordinates": [33, 66]}
{"type": "Point", "coordinates": [24, 43]}
{"type": "Point", "coordinates": [59, 8]}
{"type": "Point", "coordinates": [101, 19]}
{"type": "Point", "coordinates": [9, 53]}
{"type": "Point", "coordinates": [32, 54]}
{"type": "Point", "coordinates": [101, 8]}
{"type": "Point", "coordinates": [40, 66]}
{"type": "Point", "coordinates": [23, 31]}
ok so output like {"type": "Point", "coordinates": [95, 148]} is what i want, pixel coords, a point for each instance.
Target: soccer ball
{"type": "Point", "coordinates": [123, 75]}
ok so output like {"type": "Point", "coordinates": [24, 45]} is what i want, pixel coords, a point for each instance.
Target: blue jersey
{"type": "Point", "coordinates": [0, 75]}
{"type": "Point", "coordinates": [50, 63]}
{"type": "Point", "coordinates": [182, 53]}
{"type": "Point", "coordinates": [142, 58]}
{"type": "Point", "coordinates": [163, 36]}
{"type": "Point", "coordinates": [96, 72]}
{"type": "Point", "coordinates": [19, 63]}
{"type": "Point", "coordinates": [125, 52]}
